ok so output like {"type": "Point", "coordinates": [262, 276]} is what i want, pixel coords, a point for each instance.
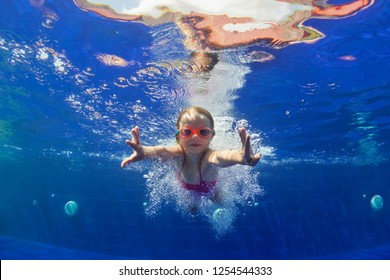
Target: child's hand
{"type": "Point", "coordinates": [135, 144]}
{"type": "Point", "coordinates": [247, 153]}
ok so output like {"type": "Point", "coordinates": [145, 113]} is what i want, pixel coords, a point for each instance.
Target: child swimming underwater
{"type": "Point", "coordinates": [197, 163]}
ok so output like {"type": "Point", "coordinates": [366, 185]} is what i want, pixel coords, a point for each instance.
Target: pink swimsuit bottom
{"type": "Point", "coordinates": [202, 188]}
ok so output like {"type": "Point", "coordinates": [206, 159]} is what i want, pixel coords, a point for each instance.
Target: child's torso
{"type": "Point", "coordinates": [200, 177]}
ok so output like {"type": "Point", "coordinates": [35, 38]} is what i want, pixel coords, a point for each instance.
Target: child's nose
{"type": "Point", "coordinates": [195, 135]}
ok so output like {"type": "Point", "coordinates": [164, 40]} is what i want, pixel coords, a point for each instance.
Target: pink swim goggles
{"type": "Point", "coordinates": [203, 132]}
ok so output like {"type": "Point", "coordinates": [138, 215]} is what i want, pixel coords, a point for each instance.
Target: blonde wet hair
{"type": "Point", "coordinates": [198, 110]}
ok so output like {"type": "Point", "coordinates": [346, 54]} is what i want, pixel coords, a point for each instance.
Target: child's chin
{"type": "Point", "coordinates": [196, 149]}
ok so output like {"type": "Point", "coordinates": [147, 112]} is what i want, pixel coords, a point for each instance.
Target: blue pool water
{"type": "Point", "coordinates": [320, 112]}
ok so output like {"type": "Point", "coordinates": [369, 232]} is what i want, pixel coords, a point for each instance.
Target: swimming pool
{"type": "Point", "coordinates": [73, 83]}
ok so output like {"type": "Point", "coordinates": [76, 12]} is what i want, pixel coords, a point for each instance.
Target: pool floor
{"type": "Point", "coordinates": [17, 249]}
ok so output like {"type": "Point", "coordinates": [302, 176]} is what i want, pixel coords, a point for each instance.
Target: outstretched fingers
{"type": "Point", "coordinates": [135, 144]}
{"type": "Point", "coordinates": [254, 159]}
{"type": "Point", "coordinates": [136, 135]}
{"type": "Point", "coordinates": [247, 149]}
{"type": "Point", "coordinates": [132, 144]}
{"type": "Point", "coordinates": [125, 162]}
{"type": "Point", "coordinates": [249, 158]}
{"type": "Point", "coordinates": [242, 133]}
{"type": "Point", "coordinates": [135, 141]}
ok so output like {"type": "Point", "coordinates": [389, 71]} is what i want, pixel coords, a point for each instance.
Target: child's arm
{"type": "Point", "coordinates": [226, 158]}
{"type": "Point", "coordinates": [145, 152]}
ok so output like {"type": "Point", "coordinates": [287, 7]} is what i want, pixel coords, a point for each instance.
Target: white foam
{"type": "Point", "coordinates": [217, 92]}
{"type": "Point", "coordinates": [237, 186]}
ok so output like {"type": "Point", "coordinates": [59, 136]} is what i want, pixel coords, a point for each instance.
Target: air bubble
{"type": "Point", "coordinates": [71, 208]}
{"type": "Point", "coordinates": [376, 202]}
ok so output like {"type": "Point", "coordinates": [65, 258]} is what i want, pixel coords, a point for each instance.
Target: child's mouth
{"type": "Point", "coordinates": [195, 145]}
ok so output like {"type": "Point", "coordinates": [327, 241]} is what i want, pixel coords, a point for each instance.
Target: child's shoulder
{"type": "Point", "coordinates": [176, 149]}
{"type": "Point", "coordinates": [177, 152]}
{"type": "Point", "coordinates": [209, 154]}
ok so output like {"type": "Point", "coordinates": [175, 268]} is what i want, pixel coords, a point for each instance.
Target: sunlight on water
{"type": "Point", "coordinates": [169, 82]}
{"type": "Point", "coordinates": [368, 147]}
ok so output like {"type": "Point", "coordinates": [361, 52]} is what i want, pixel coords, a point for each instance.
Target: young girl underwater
{"type": "Point", "coordinates": [198, 164]}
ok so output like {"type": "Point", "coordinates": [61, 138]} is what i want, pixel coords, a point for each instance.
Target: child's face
{"type": "Point", "coordinates": [194, 144]}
